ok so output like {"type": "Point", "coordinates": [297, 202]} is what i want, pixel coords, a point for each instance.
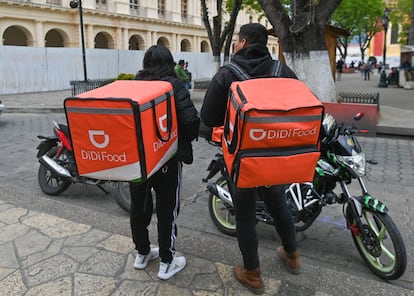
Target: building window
{"type": "Point", "coordinates": [101, 4]}
{"type": "Point", "coordinates": [184, 8]}
{"type": "Point", "coordinates": [161, 7]}
{"type": "Point", "coordinates": [54, 2]}
{"type": "Point", "coordinates": [394, 34]}
{"type": "Point", "coordinates": [134, 4]}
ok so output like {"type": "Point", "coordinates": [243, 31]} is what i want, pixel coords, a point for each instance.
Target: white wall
{"type": "Point", "coordinates": [34, 69]}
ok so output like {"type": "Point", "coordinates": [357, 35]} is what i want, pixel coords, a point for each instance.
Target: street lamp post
{"type": "Point", "coordinates": [76, 4]}
{"type": "Point", "coordinates": [385, 22]}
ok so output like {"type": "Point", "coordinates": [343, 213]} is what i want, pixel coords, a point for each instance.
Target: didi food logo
{"type": "Point", "coordinates": [100, 140]}
{"type": "Point", "coordinates": [257, 134]}
{"type": "Point", "coordinates": [95, 135]}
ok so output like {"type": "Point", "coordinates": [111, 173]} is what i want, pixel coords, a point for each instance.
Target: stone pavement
{"type": "Point", "coordinates": [41, 254]}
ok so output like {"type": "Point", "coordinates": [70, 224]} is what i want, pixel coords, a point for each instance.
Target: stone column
{"type": "Point", "coordinates": [90, 39]}
{"type": "Point", "coordinates": [39, 35]}
{"type": "Point", "coordinates": [125, 38]}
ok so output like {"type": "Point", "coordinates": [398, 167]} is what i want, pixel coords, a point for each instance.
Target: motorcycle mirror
{"type": "Point", "coordinates": [359, 115]}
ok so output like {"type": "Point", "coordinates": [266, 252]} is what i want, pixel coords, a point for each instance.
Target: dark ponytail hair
{"type": "Point", "coordinates": [158, 63]}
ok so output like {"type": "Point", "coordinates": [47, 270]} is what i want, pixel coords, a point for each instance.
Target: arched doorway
{"type": "Point", "coordinates": [185, 45]}
{"type": "Point", "coordinates": [103, 40]}
{"type": "Point", "coordinates": [205, 47]}
{"type": "Point", "coordinates": [54, 38]}
{"type": "Point", "coordinates": [16, 35]}
{"type": "Point", "coordinates": [136, 42]}
{"type": "Point", "coordinates": [164, 42]}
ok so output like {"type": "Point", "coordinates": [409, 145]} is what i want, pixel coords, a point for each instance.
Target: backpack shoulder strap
{"type": "Point", "coordinates": [240, 73]}
{"type": "Point", "coordinates": [277, 68]}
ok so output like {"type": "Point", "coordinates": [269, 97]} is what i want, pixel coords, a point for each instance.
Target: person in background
{"type": "Point", "coordinates": [393, 77]}
{"type": "Point", "coordinates": [339, 68]}
{"type": "Point", "coordinates": [158, 64]}
{"type": "Point", "coordinates": [366, 70]}
{"type": "Point", "coordinates": [188, 75]}
{"type": "Point", "coordinates": [181, 74]}
{"type": "Point", "coordinates": [251, 53]}
{"type": "Point", "coordinates": [408, 70]}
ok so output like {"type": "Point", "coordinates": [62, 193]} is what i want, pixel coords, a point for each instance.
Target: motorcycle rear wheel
{"type": "Point", "coordinates": [50, 183]}
{"type": "Point", "coordinates": [221, 213]}
{"type": "Point", "coordinates": [384, 253]}
{"type": "Point", "coordinates": [123, 196]}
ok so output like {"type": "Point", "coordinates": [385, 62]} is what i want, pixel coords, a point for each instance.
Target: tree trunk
{"type": "Point", "coordinates": [216, 35]}
{"type": "Point", "coordinates": [301, 33]}
{"type": "Point", "coordinates": [315, 70]}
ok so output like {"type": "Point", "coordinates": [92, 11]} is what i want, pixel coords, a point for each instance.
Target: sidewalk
{"type": "Point", "coordinates": [45, 255]}
{"type": "Point", "coordinates": [42, 254]}
{"type": "Point", "coordinates": [396, 114]}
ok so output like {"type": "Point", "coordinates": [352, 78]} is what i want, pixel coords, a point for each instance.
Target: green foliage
{"type": "Point", "coordinates": [361, 19]}
{"type": "Point", "coordinates": [400, 13]}
{"type": "Point", "coordinates": [250, 6]}
{"type": "Point", "coordinates": [124, 76]}
{"type": "Point", "coordinates": [359, 16]}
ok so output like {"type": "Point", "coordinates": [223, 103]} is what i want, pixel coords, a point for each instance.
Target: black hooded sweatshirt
{"type": "Point", "coordinates": [255, 59]}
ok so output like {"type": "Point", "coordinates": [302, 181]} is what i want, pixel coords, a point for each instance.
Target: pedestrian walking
{"type": "Point", "coordinates": [339, 68]}
{"type": "Point", "coordinates": [366, 70]}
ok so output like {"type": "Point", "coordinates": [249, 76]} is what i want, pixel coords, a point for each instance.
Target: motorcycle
{"type": "Point", "coordinates": [342, 161]}
{"type": "Point", "coordinates": [58, 170]}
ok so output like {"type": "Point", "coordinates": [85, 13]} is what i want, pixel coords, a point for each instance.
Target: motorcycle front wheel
{"type": "Point", "coordinates": [221, 213]}
{"type": "Point", "coordinates": [49, 182]}
{"type": "Point", "coordinates": [383, 251]}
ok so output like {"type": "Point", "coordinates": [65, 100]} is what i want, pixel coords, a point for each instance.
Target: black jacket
{"type": "Point", "coordinates": [188, 120]}
{"type": "Point", "coordinates": [255, 59]}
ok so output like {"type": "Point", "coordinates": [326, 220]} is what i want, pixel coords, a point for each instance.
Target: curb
{"type": "Point", "coordinates": [395, 131]}
{"type": "Point", "coordinates": [35, 110]}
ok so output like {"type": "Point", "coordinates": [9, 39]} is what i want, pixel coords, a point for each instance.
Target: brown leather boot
{"type": "Point", "coordinates": [291, 260]}
{"type": "Point", "coordinates": [251, 279]}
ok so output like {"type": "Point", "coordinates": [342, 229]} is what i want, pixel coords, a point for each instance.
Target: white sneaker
{"type": "Point", "coordinates": [141, 261]}
{"type": "Point", "coordinates": [167, 270]}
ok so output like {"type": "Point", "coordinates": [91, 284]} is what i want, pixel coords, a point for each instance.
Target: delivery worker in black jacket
{"type": "Point", "coordinates": [159, 65]}
{"type": "Point", "coordinates": [251, 54]}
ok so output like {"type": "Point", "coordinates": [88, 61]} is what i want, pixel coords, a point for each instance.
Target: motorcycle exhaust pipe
{"type": "Point", "coordinates": [219, 191]}
{"type": "Point", "coordinates": [54, 166]}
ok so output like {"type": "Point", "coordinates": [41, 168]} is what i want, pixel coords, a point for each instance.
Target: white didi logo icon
{"type": "Point", "coordinates": [161, 121]}
{"type": "Point", "coordinates": [257, 134]}
{"type": "Point", "coordinates": [93, 133]}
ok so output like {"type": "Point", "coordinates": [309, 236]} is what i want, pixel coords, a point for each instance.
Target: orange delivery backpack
{"type": "Point", "coordinates": [123, 131]}
{"type": "Point", "coordinates": [271, 130]}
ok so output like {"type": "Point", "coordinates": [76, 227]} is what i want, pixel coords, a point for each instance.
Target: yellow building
{"type": "Point", "coordinates": [112, 24]}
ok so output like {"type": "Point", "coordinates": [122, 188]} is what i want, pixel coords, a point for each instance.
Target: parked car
{"type": "Point", "coordinates": [2, 108]}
